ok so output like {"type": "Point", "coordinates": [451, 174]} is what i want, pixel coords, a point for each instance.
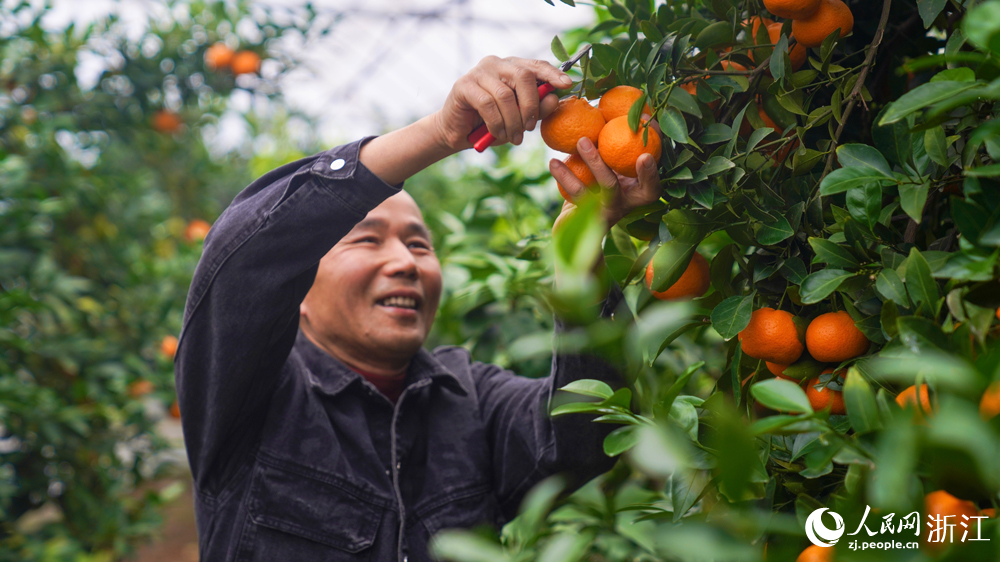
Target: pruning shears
{"type": "Point", "coordinates": [481, 138]}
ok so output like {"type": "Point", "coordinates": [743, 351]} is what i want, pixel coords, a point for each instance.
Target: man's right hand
{"type": "Point", "coordinates": [503, 93]}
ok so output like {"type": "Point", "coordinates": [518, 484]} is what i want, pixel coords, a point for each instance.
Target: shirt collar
{"type": "Point", "coordinates": [330, 376]}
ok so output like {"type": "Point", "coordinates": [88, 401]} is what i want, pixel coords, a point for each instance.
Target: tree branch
{"type": "Point", "coordinates": [855, 94]}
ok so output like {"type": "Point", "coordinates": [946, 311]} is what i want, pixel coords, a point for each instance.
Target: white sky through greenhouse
{"type": "Point", "coordinates": [388, 62]}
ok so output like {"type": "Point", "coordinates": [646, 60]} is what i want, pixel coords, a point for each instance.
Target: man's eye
{"type": "Point", "coordinates": [421, 244]}
{"type": "Point", "coordinates": [371, 239]}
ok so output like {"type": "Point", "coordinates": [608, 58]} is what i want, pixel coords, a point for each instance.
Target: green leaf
{"type": "Point", "coordinates": [576, 408]}
{"type": "Point", "coordinates": [621, 440]}
{"type": "Point", "coordinates": [913, 197]}
{"type": "Point", "coordinates": [781, 395]}
{"type": "Point", "coordinates": [832, 254]}
{"type": "Point", "coordinates": [773, 232]}
{"type": "Point", "coordinates": [982, 26]}
{"type": "Point", "coordinates": [860, 402]}
{"type": "Point", "coordinates": [936, 145]}
{"type": "Point", "coordinates": [732, 315]}
{"type": "Point", "coordinates": [989, 171]}
{"type": "Point", "coordinates": [929, 10]}
{"type": "Point", "coordinates": [893, 140]}
{"type": "Point", "coordinates": [465, 546]}
{"type": "Point", "coordinates": [717, 132]}
{"type": "Point", "coordinates": [607, 55]}
{"type": "Point", "coordinates": [589, 387]}
{"type": "Point", "coordinates": [890, 286]}
{"type": "Point", "coordinates": [683, 101]}
{"type": "Point", "coordinates": [716, 164]}
{"type": "Point", "coordinates": [864, 157]}
{"type": "Point", "coordinates": [635, 112]}
{"type": "Point", "coordinates": [865, 203]}
{"type": "Point", "coordinates": [842, 179]}
{"type": "Point", "coordinates": [566, 546]}
{"type": "Point", "coordinates": [919, 282]}
{"type": "Point", "coordinates": [921, 97]}
{"type": "Point", "coordinates": [558, 50]}
{"type": "Point", "coordinates": [819, 285]}
{"type": "Point", "coordinates": [673, 125]}
{"type": "Point", "coordinates": [921, 334]}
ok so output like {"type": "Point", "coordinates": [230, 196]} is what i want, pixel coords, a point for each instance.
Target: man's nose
{"type": "Point", "coordinates": [401, 261]}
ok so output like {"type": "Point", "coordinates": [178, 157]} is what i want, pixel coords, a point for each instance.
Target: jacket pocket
{"type": "Point", "coordinates": [297, 516]}
{"type": "Point", "coordinates": [466, 508]}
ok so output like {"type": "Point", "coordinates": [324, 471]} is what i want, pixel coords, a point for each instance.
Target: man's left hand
{"type": "Point", "coordinates": [623, 194]}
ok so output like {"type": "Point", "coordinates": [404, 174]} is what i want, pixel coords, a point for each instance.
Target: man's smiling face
{"type": "Point", "coordinates": [377, 291]}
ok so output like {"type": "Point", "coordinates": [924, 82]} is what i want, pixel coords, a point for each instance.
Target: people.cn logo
{"type": "Point", "coordinates": [819, 534]}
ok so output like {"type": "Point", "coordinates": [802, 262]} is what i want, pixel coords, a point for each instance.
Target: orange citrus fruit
{"type": "Point", "coordinates": [196, 230]}
{"type": "Point", "coordinates": [833, 337]}
{"type": "Point", "coordinates": [166, 121]}
{"type": "Point", "coordinates": [168, 346]}
{"type": "Point", "coordinates": [175, 410]}
{"type": "Point", "coordinates": [989, 405]}
{"type": "Point", "coordinates": [908, 399]}
{"type": "Point", "coordinates": [245, 62]}
{"type": "Point", "coordinates": [831, 15]}
{"type": "Point", "coordinates": [692, 284]}
{"type": "Point", "coordinates": [776, 369]}
{"type": "Point", "coordinates": [792, 9]}
{"type": "Point", "coordinates": [746, 128]}
{"type": "Point", "coordinates": [581, 170]}
{"type": "Point", "coordinates": [998, 313]}
{"type": "Point", "coordinates": [772, 336]}
{"type": "Point", "coordinates": [620, 147]}
{"type": "Point", "coordinates": [618, 100]}
{"type": "Point", "coordinates": [942, 504]}
{"type": "Point", "coordinates": [570, 122]}
{"type": "Point", "coordinates": [752, 24]}
{"type": "Point", "coordinates": [732, 66]}
{"type": "Point", "coordinates": [823, 397]}
{"type": "Point", "coordinates": [218, 56]}
{"type": "Point", "coordinates": [797, 54]}
{"type": "Point", "coordinates": [816, 554]}
{"type": "Point", "coordinates": [140, 387]}
{"type": "Point", "coordinates": [988, 512]}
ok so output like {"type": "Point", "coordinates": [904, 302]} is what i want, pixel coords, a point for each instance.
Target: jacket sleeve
{"type": "Point", "coordinates": [527, 444]}
{"type": "Point", "coordinates": [241, 317]}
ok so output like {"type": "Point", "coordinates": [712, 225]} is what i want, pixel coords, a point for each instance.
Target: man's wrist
{"type": "Point", "coordinates": [396, 156]}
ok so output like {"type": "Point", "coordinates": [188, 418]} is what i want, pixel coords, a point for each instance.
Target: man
{"type": "Point", "coordinates": [316, 425]}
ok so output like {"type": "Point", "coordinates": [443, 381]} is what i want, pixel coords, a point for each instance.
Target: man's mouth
{"type": "Point", "coordinates": [399, 302]}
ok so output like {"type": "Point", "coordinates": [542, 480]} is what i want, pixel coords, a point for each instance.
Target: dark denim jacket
{"type": "Point", "coordinates": [297, 458]}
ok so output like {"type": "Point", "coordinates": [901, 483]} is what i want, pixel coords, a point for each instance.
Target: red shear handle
{"type": "Point", "coordinates": [481, 138]}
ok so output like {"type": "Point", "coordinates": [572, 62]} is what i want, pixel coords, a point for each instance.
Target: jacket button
{"type": "Point", "coordinates": [337, 164]}
{"type": "Point", "coordinates": [399, 465]}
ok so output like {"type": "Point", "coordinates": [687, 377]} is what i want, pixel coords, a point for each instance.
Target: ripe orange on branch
{"type": "Point", "coordinates": [218, 56]}
{"type": "Point", "coordinates": [989, 404]}
{"type": "Point", "coordinates": [792, 9]}
{"type": "Point", "coordinates": [581, 170]}
{"type": "Point", "coordinates": [824, 396]}
{"type": "Point", "coordinates": [816, 554]}
{"type": "Point", "coordinates": [693, 283]}
{"type": "Point", "coordinates": [797, 54]}
{"type": "Point", "coordinates": [772, 336]}
{"type": "Point", "coordinates": [831, 15]}
{"type": "Point", "coordinates": [168, 347]}
{"type": "Point", "coordinates": [908, 398]}
{"type": "Point", "coordinates": [620, 148]}
{"type": "Point", "coordinates": [618, 100]}
{"type": "Point", "coordinates": [572, 120]}
{"type": "Point", "coordinates": [166, 121]}
{"type": "Point", "coordinates": [245, 62]}
{"type": "Point", "coordinates": [196, 230]}
{"type": "Point", "coordinates": [942, 504]}
{"type": "Point", "coordinates": [833, 337]}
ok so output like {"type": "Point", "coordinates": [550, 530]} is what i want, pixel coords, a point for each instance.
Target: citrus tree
{"type": "Point", "coordinates": [810, 309]}
{"type": "Point", "coordinates": [107, 187]}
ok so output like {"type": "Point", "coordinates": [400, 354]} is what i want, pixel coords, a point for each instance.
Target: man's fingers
{"type": "Point", "coordinates": [567, 179]}
{"type": "Point", "coordinates": [548, 104]}
{"type": "Point", "coordinates": [647, 189]}
{"type": "Point", "coordinates": [524, 83]}
{"type": "Point", "coordinates": [604, 175]}
{"type": "Point", "coordinates": [506, 102]}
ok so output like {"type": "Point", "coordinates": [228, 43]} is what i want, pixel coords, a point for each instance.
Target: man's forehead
{"type": "Point", "coordinates": [398, 211]}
